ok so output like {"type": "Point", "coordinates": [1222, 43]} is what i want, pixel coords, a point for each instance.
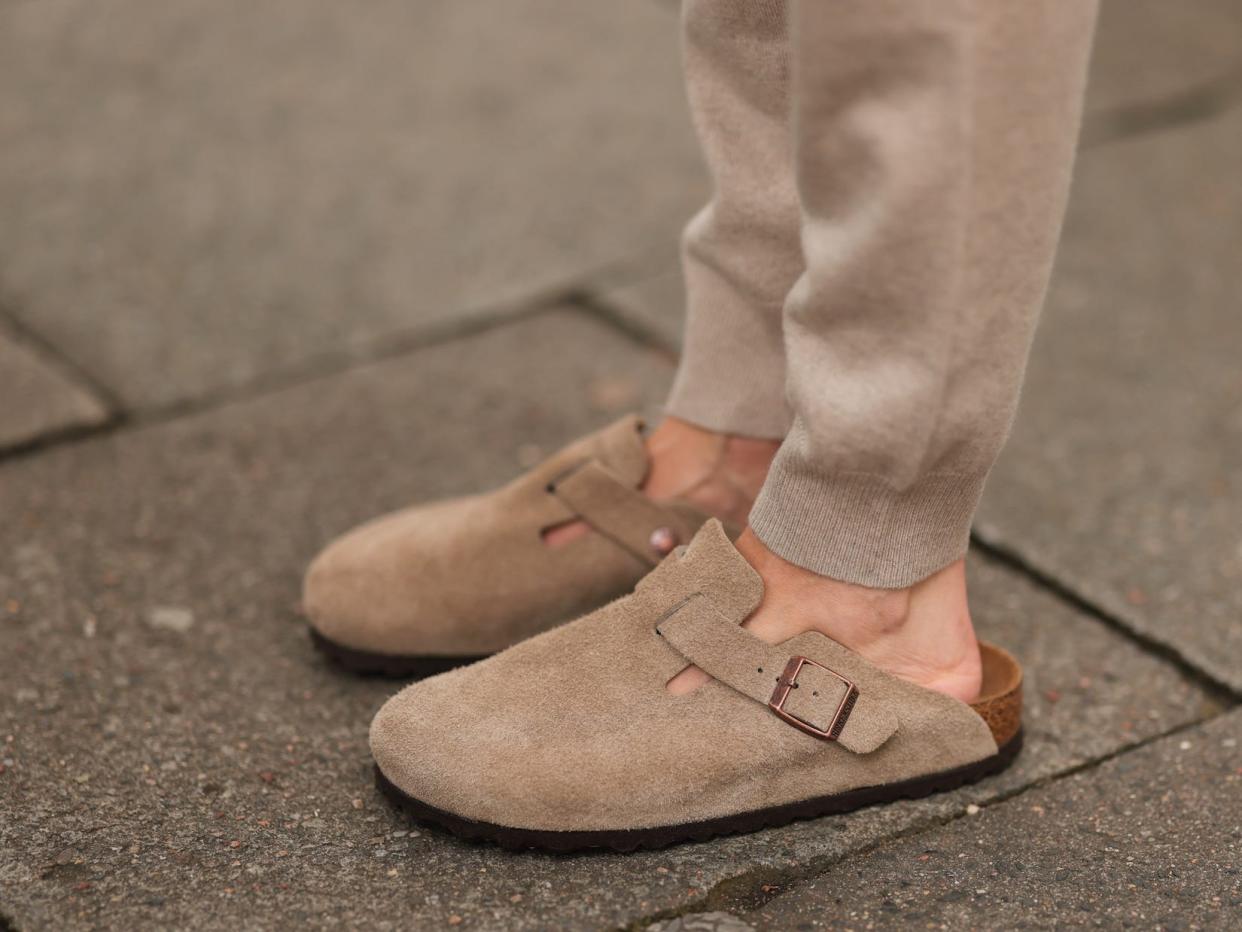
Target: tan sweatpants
{"type": "Point", "coordinates": [890, 178]}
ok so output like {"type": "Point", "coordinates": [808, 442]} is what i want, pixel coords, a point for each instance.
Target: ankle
{"type": "Point", "coordinates": [923, 634]}
{"type": "Point", "coordinates": [720, 473]}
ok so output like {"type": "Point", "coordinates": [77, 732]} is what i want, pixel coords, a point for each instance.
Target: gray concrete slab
{"type": "Point", "coordinates": [36, 400]}
{"type": "Point", "coordinates": [1150, 840]}
{"type": "Point", "coordinates": [1150, 52]}
{"type": "Point", "coordinates": [175, 755]}
{"type": "Point", "coordinates": [1124, 476]}
{"type": "Point", "coordinates": [195, 194]}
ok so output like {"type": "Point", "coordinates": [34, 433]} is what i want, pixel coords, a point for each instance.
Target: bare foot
{"type": "Point", "coordinates": [922, 634]}
{"type": "Point", "coordinates": [720, 473]}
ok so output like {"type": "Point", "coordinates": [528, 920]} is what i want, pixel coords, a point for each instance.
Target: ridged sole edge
{"type": "Point", "coordinates": [624, 840]}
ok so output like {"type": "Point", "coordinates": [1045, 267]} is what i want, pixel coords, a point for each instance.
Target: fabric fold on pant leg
{"type": "Point", "coordinates": [731, 376]}
{"type": "Point", "coordinates": [933, 142]}
{"type": "Point", "coordinates": [741, 253]}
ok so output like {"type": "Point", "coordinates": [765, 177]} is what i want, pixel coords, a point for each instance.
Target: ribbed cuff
{"type": "Point", "coordinates": [856, 528]}
{"type": "Point", "coordinates": [731, 377]}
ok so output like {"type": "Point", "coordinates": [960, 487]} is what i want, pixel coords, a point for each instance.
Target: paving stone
{"type": "Point", "coordinates": [209, 771]}
{"type": "Point", "coordinates": [1124, 476]}
{"type": "Point", "coordinates": [1151, 51]}
{"type": "Point", "coordinates": [1152, 840]}
{"type": "Point", "coordinates": [36, 400]}
{"type": "Point", "coordinates": [196, 193]}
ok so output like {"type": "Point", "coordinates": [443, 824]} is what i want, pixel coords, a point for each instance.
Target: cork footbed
{"type": "Point", "coordinates": [1000, 698]}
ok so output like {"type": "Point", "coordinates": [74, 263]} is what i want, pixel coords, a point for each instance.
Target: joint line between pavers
{"type": "Point", "coordinates": [594, 305]}
{"type": "Point", "coordinates": [1015, 562]}
{"type": "Point", "coordinates": [326, 365]}
{"type": "Point", "coordinates": [53, 356]}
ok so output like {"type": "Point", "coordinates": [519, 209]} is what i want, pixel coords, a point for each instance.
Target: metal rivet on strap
{"type": "Point", "coordinates": [663, 540]}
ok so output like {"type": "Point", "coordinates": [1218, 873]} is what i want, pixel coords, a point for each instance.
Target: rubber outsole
{"type": "Point", "coordinates": [517, 839]}
{"type": "Point", "coordinates": [393, 666]}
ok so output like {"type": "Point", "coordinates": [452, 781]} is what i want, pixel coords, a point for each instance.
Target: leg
{"type": "Point", "coordinates": [934, 143]}
{"type": "Point", "coordinates": [741, 255]}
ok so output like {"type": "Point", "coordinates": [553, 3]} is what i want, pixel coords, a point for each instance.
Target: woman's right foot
{"type": "Point", "coordinates": [436, 586]}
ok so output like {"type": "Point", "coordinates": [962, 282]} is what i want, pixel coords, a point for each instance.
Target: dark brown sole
{"type": "Point", "coordinates": [517, 839]}
{"type": "Point", "coordinates": [395, 666]}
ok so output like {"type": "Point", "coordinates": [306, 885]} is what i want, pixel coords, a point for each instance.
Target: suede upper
{"type": "Point", "coordinates": [472, 576]}
{"type": "Point", "coordinates": [575, 730]}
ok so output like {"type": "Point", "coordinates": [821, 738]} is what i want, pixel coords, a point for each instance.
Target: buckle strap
{"type": "Point", "coordinates": [621, 513]}
{"type": "Point", "coordinates": [799, 690]}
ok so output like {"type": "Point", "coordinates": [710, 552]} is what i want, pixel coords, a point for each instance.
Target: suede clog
{"type": "Point", "coordinates": [571, 740]}
{"type": "Point", "coordinates": [433, 587]}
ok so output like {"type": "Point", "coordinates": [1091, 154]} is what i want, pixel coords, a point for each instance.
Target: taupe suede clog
{"type": "Point", "coordinates": [433, 587]}
{"type": "Point", "coordinates": [571, 740]}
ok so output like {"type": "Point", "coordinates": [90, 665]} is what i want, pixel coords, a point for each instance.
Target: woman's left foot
{"type": "Point", "coordinates": [572, 740]}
